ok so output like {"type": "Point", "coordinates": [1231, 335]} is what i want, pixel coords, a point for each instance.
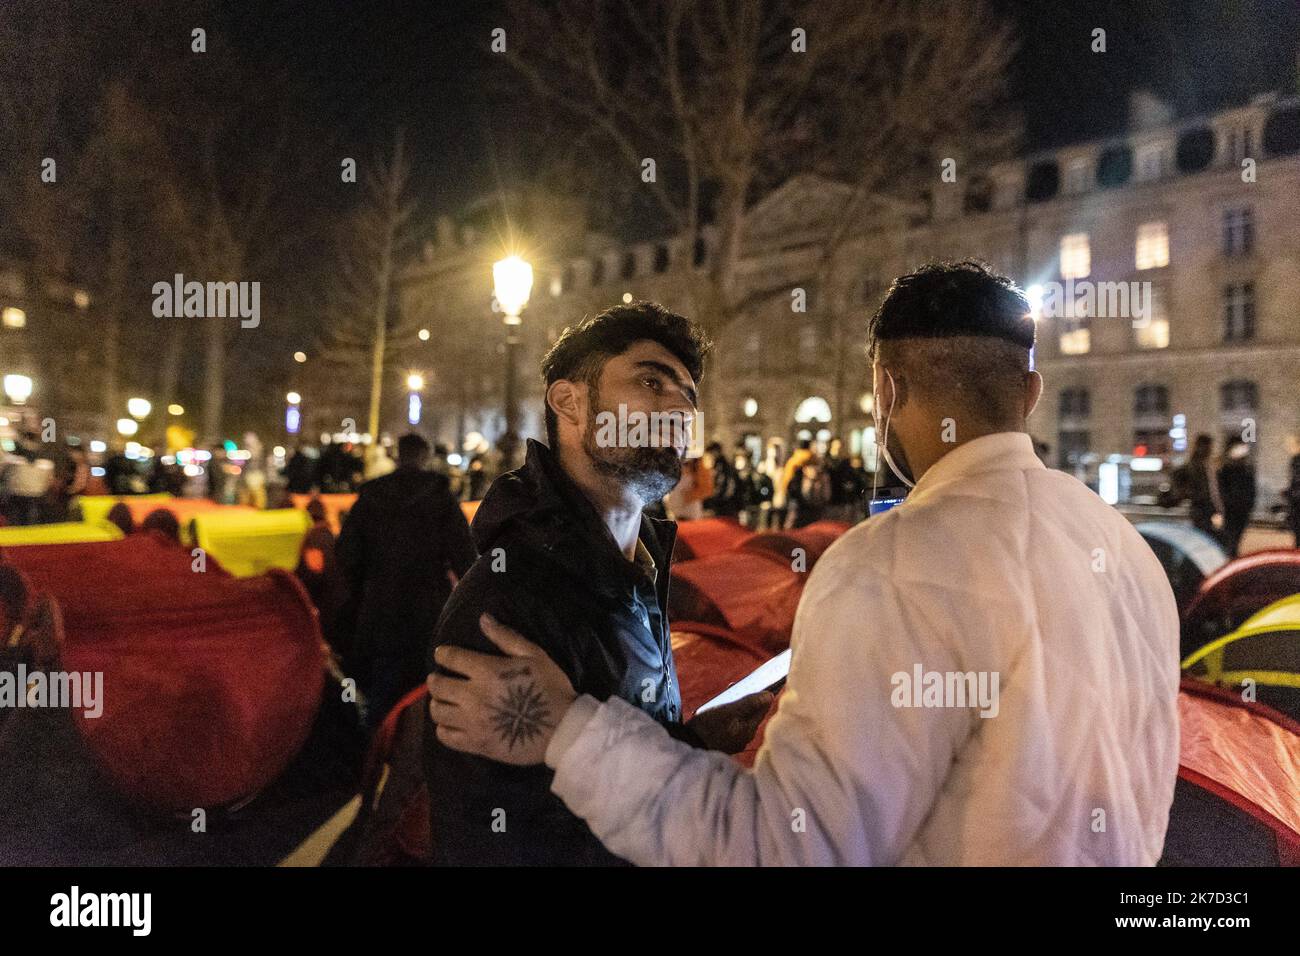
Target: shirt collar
{"type": "Point", "coordinates": [645, 561]}
{"type": "Point", "coordinates": [1001, 451]}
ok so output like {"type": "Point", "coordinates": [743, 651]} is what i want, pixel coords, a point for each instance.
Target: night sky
{"type": "Point", "coordinates": [425, 64]}
{"type": "Point", "coordinates": [356, 70]}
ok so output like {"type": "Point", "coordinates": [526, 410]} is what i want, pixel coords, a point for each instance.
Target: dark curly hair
{"type": "Point", "coordinates": [580, 354]}
{"type": "Point", "coordinates": [946, 299]}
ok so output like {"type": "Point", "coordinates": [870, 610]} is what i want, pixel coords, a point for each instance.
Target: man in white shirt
{"type": "Point", "coordinates": [986, 674]}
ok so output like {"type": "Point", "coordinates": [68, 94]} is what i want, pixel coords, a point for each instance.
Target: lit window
{"type": "Point", "coordinates": [1153, 332]}
{"type": "Point", "coordinates": [1076, 340]}
{"type": "Point", "coordinates": [1153, 245]}
{"type": "Point", "coordinates": [1076, 260]}
{"type": "Point", "coordinates": [14, 318]}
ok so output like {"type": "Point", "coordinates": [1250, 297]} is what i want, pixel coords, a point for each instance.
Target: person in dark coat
{"type": "Point", "coordinates": [1196, 482]}
{"type": "Point", "coordinates": [300, 472]}
{"type": "Point", "coordinates": [403, 541]}
{"type": "Point", "coordinates": [568, 557]}
{"type": "Point", "coordinates": [725, 501]}
{"type": "Point", "coordinates": [1237, 490]}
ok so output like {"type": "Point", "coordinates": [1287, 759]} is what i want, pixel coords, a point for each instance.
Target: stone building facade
{"type": "Point", "coordinates": [1199, 218]}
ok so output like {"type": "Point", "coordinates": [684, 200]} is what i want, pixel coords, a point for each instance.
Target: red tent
{"type": "Point", "coordinates": [812, 540]}
{"type": "Point", "coordinates": [707, 536]}
{"type": "Point", "coordinates": [748, 594]}
{"type": "Point", "coordinates": [210, 683]}
{"type": "Point", "coordinates": [1237, 801]}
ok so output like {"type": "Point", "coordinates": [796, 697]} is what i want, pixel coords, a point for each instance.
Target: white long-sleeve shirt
{"type": "Point", "coordinates": [995, 565]}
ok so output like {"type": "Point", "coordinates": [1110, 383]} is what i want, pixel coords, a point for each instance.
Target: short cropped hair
{"type": "Point", "coordinates": [960, 335]}
{"type": "Point", "coordinates": [582, 350]}
{"type": "Point", "coordinates": [949, 299]}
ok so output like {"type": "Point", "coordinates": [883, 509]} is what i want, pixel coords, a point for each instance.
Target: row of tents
{"type": "Point", "coordinates": [217, 687]}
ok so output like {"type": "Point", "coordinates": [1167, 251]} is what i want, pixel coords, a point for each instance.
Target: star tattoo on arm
{"type": "Point", "coordinates": [520, 715]}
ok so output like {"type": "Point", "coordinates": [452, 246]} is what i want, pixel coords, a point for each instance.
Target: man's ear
{"type": "Point", "coordinates": [1033, 391]}
{"type": "Point", "coordinates": [568, 400]}
{"type": "Point", "coordinates": [888, 393]}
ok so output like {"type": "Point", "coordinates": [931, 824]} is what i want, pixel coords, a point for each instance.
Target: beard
{"type": "Point", "coordinates": [648, 472]}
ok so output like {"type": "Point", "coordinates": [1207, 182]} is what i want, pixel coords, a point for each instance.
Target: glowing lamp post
{"type": "Point", "coordinates": [414, 383]}
{"type": "Point", "coordinates": [293, 414]}
{"type": "Point", "coordinates": [512, 282]}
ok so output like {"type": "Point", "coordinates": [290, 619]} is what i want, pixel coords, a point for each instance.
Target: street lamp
{"type": "Point", "coordinates": [293, 414]}
{"type": "Point", "coordinates": [414, 383]}
{"type": "Point", "coordinates": [127, 427]}
{"type": "Point", "coordinates": [512, 281]}
{"type": "Point", "coordinates": [18, 388]}
{"type": "Point", "coordinates": [139, 407]}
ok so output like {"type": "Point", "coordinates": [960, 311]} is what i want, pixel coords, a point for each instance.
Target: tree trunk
{"type": "Point", "coordinates": [380, 340]}
{"type": "Point", "coordinates": [214, 385]}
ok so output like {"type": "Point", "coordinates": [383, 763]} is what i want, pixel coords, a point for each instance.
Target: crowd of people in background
{"type": "Point", "coordinates": [40, 481]}
{"type": "Point", "coordinates": [1221, 491]}
{"type": "Point", "coordinates": [775, 492]}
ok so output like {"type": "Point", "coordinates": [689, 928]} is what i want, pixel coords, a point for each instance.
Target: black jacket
{"type": "Point", "coordinates": [1237, 488]}
{"type": "Point", "coordinates": [403, 535]}
{"type": "Point", "coordinates": [549, 568]}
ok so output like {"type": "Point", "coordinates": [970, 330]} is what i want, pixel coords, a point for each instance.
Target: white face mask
{"type": "Point", "coordinates": [882, 436]}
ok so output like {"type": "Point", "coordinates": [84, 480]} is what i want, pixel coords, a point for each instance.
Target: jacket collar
{"type": "Point", "coordinates": [1001, 451]}
{"type": "Point", "coordinates": [540, 501]}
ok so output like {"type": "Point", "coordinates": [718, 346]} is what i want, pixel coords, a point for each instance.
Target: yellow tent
{"type": "Point", "coordinates": [68, 532]}
{"type": "Point", "coordinates": [1265, 651]}
{"type": "Point", "coordinates": [95, 508]}
{"type": "Point", "coordinates": [247, 543]}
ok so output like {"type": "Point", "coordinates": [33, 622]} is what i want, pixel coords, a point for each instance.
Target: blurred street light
{"type": "Point", "coordinates": [293, 414]}
{"type": "Point", "coordinates": [174, 409]}
{"type": "Point", "coordinates": [300, 357]}
{"type": "Point", "coordinates": [512, 283]}
{"type": "Point", "coordinates": [18, 388]}
{"type": "Point", "coordinates": [414, 406]}
{"type": "Point", "coordinates": [139, 407]}
{"type": "Point", "coordinates": [127, 426]}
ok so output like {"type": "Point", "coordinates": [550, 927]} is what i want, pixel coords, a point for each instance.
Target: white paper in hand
{"type": "Point", "coordinates": [764, 677]}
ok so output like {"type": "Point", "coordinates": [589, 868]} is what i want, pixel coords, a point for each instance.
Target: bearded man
{"type": "Point", "coordinates": [568, 559]}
